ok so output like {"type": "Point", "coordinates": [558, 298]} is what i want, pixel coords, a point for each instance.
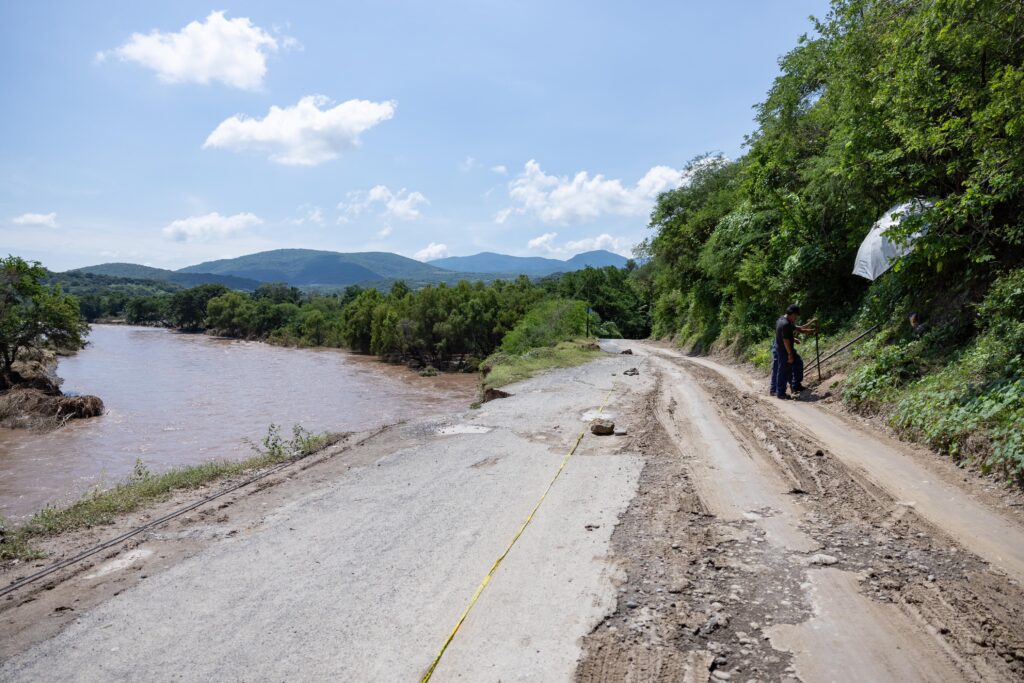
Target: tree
{"type": "Point", "coordinates": [33, 315]}
{"type": "Point", "coordinates": [146, 309]}
{"type": "Point", "coordinates": [187, 308]}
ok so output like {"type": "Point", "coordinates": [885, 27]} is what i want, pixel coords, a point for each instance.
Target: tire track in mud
{"type": "Point", "coordinates": [699, 589]}
{"type": "Point", "coordinates": [705, 595]}
{"type": "Point", "coordinates": [972, 611]}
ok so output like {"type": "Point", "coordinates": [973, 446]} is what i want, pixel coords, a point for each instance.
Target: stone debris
{"type": "Point", "coordinates": [627, 352]}
{"type": "Point", "coordinates": [632, 372]}
{"type": "Point", "coordinates": [602, 427]}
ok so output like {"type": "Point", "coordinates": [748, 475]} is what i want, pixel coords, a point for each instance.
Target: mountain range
{"type": "Point", "coordinates": [312, 268]}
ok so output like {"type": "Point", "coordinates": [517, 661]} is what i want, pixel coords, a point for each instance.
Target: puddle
{"type": "Point", "coordinates": [122, 562]}
{"type": "Point", "coordinates": [463, 429]}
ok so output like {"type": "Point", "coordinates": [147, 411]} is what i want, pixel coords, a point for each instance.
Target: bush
{"type": "Point", "coordinates": [547, 323]}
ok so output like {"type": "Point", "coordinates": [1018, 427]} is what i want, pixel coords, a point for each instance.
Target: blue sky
{"type": "Point", "coordinates": [174, 133]}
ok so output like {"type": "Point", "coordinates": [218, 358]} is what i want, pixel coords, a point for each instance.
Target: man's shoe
{"type": "Point", "coordinates": [799, 387]}
{"type": "Point", "coordinates": [784, 397]}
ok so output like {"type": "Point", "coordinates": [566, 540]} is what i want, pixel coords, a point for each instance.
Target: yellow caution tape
{"type": "Point", "coordinates": [497, 562]}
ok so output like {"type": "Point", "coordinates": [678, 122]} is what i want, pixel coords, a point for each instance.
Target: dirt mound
{"type": "Point", "coordinates": [33, 408]}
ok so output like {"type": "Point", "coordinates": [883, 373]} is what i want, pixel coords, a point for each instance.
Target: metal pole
{"type": "Point", "coordinates": [817, 354]}
{"type": "Point", "coordinates": [846, 346]}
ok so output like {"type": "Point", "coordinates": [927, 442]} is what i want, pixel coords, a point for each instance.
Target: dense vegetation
{"type": "Point", "coordinates": [889, 101]}
{"type": "Point", "coordinates": [33, 315]}
{"type": "Point", "coordinates": [106, 296]}
{"type": "Point", "coordinates": [439, 325]}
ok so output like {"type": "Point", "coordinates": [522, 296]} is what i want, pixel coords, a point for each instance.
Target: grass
{"type": "Point", "coordinates": [99, 507]}
{"type": "Point", "coordinates": [501, 369]}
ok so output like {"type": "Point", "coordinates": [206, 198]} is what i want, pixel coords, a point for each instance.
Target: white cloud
{"type": "Point", "coordinates": [303, 134]}
{"type": "Point", "coordinates": [602, 241]}
{"type": "Point", "coordinates": [503, 215]}
{"type": "Point", "coordinates": [431, 251]}
{"type": "Point", "coordinates": [384, 232]}
{"type": "Point", "coordinates": [583, 198]}
{"type": "Point", "coordinates": [308, 214]}
{"type": "Point", "coordinates": [212, 225]}
{"type": "Point", "coordinates": [231, 51]}
{"type": "Point", "coordinates": [500, 169]}
{"type": "Point", "coordinates": [468, 164]}
{"type": "Point", "coordinates": [39, 220]}
{"type": "Point", "coordinates": [401, 205]}
{"type": "Point", "coordinates": [546, 243]}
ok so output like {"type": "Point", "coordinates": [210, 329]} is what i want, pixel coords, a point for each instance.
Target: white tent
{"type": "Point", "coordinates": [877, 252]}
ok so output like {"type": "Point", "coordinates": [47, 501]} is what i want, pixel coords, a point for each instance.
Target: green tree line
{"type": "Point", "coordinates": [435, 325]}
{"type": "Point", "coordinates": [885, 102]}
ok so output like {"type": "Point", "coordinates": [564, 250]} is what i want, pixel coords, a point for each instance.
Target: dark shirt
{"type": "Point", "coordinates": [784, 329]}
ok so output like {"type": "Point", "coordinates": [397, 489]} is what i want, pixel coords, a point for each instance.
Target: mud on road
{"type": "Point", "coordinates": [752, 553]}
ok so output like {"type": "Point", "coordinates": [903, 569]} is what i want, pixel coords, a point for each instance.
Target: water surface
{"type": "Point", "coordinates": [175, 399]}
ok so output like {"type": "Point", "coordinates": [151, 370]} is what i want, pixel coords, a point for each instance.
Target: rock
{"type": "Point", "coordinates": [491, 394]}
{"type": "Point", "coordinates": [602, 427]}
{"type": "Point", "coordinates": [716, 621]}
{"type": "Point", "coordinates": [627, 352]}
{"type": "Point", "coordinates": [632, 372]}
{"type": "Point", "coordinates": [822, 559]}
{"type": "Point", "coordinates": [632, 604]}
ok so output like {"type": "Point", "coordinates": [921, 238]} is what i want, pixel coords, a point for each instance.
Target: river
{"type": "Point", "coordinates": [178, 399]}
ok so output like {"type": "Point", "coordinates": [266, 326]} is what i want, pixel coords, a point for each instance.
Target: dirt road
{"type": "Point", "coordinates": [725, 537]}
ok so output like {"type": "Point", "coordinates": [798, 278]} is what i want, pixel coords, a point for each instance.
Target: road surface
{"type": "Point", "coordinates": [723, 538]}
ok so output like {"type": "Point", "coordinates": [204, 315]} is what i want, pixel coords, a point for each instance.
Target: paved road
{"type": "Point", "coordinates": [361, 579]}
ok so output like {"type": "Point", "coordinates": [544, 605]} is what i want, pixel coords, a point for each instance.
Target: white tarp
{"type": "Point", "coordinates": [877, 252]}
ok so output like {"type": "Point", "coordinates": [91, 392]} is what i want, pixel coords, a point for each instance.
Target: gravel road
{"type": "Point", "coordinates": [363, 577]}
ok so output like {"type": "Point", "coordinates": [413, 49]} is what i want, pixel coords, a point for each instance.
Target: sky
{"type": "Point", "coordinates": [178, 132]}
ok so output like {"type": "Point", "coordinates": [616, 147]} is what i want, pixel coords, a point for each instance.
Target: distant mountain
{"type": "Point", "coordinates": [135, 271]}
{"type": "Point", "coordinates": [534, 266]}
{"type": "Point", "coordinates": [299, 267]}
{"type": "Point", "coordinates": [327, 270]}
{"type": "Point", "coordinates": [596, 259]}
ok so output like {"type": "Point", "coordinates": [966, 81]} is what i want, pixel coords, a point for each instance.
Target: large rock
{"type": "Point", "coordinates": [492, 394]}
{"type": "Point", "coordinates": [602, 427]}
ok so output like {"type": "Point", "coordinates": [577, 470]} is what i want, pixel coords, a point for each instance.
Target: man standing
{"type": "Point", "coordinates": [787, 366]}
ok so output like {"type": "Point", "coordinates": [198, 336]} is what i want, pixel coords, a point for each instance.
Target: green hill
{"type": "Point", "coordinates": [134, 271]}
{"type": "Point", "coordinates": [304, 267]}
{"type": "Point", "coordinates": [534, 266]}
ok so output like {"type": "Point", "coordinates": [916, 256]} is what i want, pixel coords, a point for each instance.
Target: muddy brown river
{"type": "Point", "coordinates": [177, 399]}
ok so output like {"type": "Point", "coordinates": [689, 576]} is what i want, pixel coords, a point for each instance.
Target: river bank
{"type": "Point", "coordinates": [35, 400]}
{"type": "Point", "coordinates": [179, 399]}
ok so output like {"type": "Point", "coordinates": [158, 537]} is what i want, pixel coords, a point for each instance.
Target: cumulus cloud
{"type": "Point", "coordinates": [306, 134]}
{"type": "Point", "coordinates": [308, 214]}
{"type": "Point", "coordinates": [38, 220]}
{"type": "Point", "coordinates": [401, 205]}
{"type": "Point", "coordinates": [546, 244]}
{"type": "Point", "coordinates": [209, 226]}
{"type": "Point", "coordinates": [602, 241]}
{"type": "Point", "coordinates": [583, 198]}
{"type": "Point", "coordinates": [431, 251]}
{"type": "Point", "coordinates": [384, 232]}
{"type": "Point", "coordinates": [231, 51]}
{"type": "Point", "coordinates": [500, 169]}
